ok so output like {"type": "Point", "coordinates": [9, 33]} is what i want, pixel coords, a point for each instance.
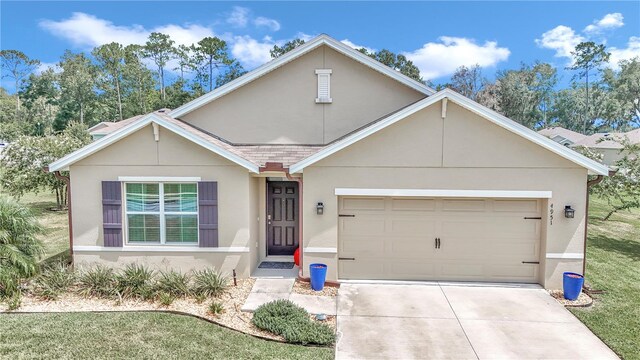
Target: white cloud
{"type": "Point", "coordinates": [609, 21]}
{"type": "Point", "coordinates": [632, 50]}
{"type": "Point", "coordinates": [357, 47]}
{"type": "Point", "coordinates": [238, 17]}
{"type": "Point", "coordinates": [436, 59]}
{"type": "Point", "coordinates": [251, 52]}
{"type": "Point", "coordinates": [562, 39]}
{"type": "Point", "coordinates": [86, 30]}
{"type": "Point", "coordinates": [271, 24]}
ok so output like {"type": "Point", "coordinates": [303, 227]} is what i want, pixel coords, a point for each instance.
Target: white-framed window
{"type": "Point", "coordinates": [161, 213]}
{"type": "Point", "coordinates": [324, 86]}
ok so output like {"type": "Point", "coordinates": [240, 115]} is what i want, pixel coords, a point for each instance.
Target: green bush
{"type": "Point", "coordinates": [55, 279]}
{"type": "Point", "coordinates": [14, 301]}
{"type": "Point", "coordinates": [216, 308]}
{"type": "Point", "coordinates": [166, 299]}
{"type": "Point", "coordinates": [19, 247]}
{"type": "Point", "coordinates": [98, 281]}
{"type": "Point", "coordinates": [209, 282]}
{"type": "Point", "coordinates": [282, 317]}
{"type": "Point", "coordinates": [173, 283]}
{"type": "Point", "coordinates": [135, 281]}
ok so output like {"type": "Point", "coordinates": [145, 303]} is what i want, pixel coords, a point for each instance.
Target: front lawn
{"type": "Point", "coordinates": [135, 335]}
{"type": "Point", "coordinates": [56, 231]}
{"type": "Point", "coordinates": [613, 265]}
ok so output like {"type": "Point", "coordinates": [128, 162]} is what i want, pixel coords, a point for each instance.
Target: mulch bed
{"type": "Point", "coordinates": [583, 300]}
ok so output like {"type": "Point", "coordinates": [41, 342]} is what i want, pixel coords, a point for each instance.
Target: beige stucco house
{"type": "Point", "coordinates": [366, 170]}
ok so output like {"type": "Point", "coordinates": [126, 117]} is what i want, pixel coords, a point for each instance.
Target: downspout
{"type": "Point", "coordinates": [590, 183]}
{"type": "Point", "coordinates": [67, 182]}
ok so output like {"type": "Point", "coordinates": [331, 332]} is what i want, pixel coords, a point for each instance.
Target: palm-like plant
{"type": "Point", "coordinates": [19, 247]}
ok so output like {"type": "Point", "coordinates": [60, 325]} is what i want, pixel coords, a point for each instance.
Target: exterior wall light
{"type": "Point", "coordinates": [320, 208]}
{"type": "Point", "coordinates": [569, 212]}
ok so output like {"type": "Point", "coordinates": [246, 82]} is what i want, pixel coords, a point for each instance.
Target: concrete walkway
{"type": "Point", "coordinates": [267, 290]}
{"type": "Point", "coordinates": [459, 322]}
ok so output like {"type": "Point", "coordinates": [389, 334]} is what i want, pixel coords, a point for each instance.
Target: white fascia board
{"type": "Point", "coordinates": [594, 167]}
{"type": "Point", "coordinates": [63, 164]}
{"type": "Point", "coordinates": [341, 144]}
{"type": "Point", "coordinates": [511, 194]}
{"type": "Point", "coordinates": [292, 55]}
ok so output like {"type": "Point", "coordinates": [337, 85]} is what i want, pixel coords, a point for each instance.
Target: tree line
{"type": "Point", "coordinates": [111, 83]}
{"type": "Point", "coordinates": [114, 82]}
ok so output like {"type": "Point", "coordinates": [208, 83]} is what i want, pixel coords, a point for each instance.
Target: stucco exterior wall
{"type": "Point", "coordinates": [280, 107]}
{"type": "Point", "coordinates": [173, 156]}
{"type": "Point", "coordinates": [463, 151]}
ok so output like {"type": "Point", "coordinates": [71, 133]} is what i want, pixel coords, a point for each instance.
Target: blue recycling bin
{"type": "Point", "coordinates": [318, 274]}
{"type": "Point", "coordinates": [572, 285]}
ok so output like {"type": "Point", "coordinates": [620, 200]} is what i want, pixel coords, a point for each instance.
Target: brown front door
{"type": "Point", "coordinates": [282, 217]}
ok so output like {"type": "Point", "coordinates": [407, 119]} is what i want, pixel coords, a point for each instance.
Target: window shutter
{"type": "Point", "coordinates": [208, 213]}
{"type": "Point", "coordinates": [324, 86]}
{"type": "Point", "coordinates": [112, 213]}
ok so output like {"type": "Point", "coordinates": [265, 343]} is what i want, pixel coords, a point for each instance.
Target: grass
{"type": "Point", "coordinates": [613, 265]}
{"type": "Point", "coordinates": [56, 235]}
{"type": "Point", "coordinates": [135, 335]}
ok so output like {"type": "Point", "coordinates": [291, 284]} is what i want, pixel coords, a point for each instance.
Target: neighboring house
{"type": "Point", "coordinates": [104, 128]}
{"type": "Point", "coordinates": [561, 135]}
{"type": "Point", "coordinates": [368, 171]}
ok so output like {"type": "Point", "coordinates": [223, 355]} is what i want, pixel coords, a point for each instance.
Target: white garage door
{"type": "Point", "coordinates": [439, 239]}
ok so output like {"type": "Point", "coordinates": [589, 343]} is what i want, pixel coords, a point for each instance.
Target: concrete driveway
{"type": "Point", "coordinates": [437, 321]}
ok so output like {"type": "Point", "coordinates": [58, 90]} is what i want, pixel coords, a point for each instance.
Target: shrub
{"type": "Point", "coordinates": [216, 308]}
{"type": "Point", "coordinates": [14, 302]}
{"type": "Point", "coordinates": [282, 317]}
{"type": "Point", "coordinates": [209, 282]}
{"type": "Point", "coordinates": [135, 281]}
{"type": "Point", "coordinates": [19, 247]}
{"type": "Point", "coordinates": [173, 283]}
{"type": "Point", "coordinates": [166, 299]}
{"type": "Point", "coordinates": [98, 281]}
{"type": "Point", "coordinates": [54, 280]}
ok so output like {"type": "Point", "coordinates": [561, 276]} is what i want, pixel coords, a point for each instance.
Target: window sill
{"type": "Point", "coordinates": [162, 248]}
{"type": "Point", "coordinates": [324, 101]}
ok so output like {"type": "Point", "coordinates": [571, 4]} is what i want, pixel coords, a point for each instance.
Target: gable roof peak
{"type": "Point", "coordinates": [322, 39]}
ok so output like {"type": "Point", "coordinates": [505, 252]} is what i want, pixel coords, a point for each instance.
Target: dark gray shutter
{"type": "Point", "coordinates": [112, 213]}
{"type": "Point", "coordinates": [208, 213]}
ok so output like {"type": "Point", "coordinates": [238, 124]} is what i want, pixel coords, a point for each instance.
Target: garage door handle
{"type": "Point", "coordinates": [341, 258]}
{"type": "Point", "coordinates": [533, 218]}
{"type": "Point", "coordinates": [531, 262]}
{"type": "Point", "coordinates": [437, 244]}
{"type": "Point", "coordinates": [346, 215]}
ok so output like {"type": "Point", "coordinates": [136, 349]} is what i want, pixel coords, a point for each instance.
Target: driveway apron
{"type": "Point", "coordinates": [455, 321]}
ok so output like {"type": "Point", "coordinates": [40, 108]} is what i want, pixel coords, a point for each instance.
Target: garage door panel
{"type": "Point", "coordinates": [480, 240]}
{"type": "Point", "coordinates": [363, 225]}
{"type": "Point", "coordinates": [464, 205]}
{"type": "Point", "coordinates": [412, 225]}
{"type": "Point", "coordinates": [519, 206]}
{"type": "Point", "coordinates": [363, 203]}
{"type": "Point", "coordinates": [363, 246]}
{"type": "Point", "coordinates": [411, 248]}
{"type": "Point", "coordinates": [413, 204]}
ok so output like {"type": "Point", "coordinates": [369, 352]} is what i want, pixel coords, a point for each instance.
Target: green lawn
{"type": "Point", "coordinates": [613, 265]}
{"type": "Point", "coordinates": [135, 335]}
{"type": "Point", "coordinates": [56, 235]}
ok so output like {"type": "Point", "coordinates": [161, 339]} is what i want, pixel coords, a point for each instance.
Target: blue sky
{"type": "Point", "coordinates": [437, 36]}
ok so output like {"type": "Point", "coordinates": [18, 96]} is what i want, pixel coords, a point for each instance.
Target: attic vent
{"type": "Point", "coordinates": [324, 86]}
